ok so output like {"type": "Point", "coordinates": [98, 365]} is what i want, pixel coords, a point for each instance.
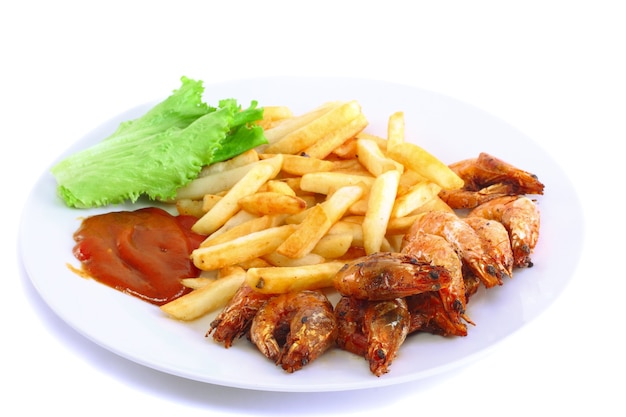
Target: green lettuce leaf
{"type": "Point", "coordinates": [159, 152]}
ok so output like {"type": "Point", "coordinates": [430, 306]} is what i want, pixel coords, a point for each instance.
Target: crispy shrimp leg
{"type": "Point", "coordinates": [465, 242]}
{"type": "Point", "coordinates": [236, 317]}
{"type": "Point", "coordinates": [294, 329]}
{"type": "Point", "coordinates": [372, 329]}
{"type": "Point", "coordinates": [520, 216]}
{"type": "Point", "coordinates": [388, 275]}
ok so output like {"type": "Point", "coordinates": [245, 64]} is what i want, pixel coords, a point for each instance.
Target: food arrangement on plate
{"type": "Point", "coordinates": [275, 211]}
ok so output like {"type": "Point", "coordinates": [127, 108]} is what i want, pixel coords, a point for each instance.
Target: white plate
{"type": "Point", "coordinates": [448, 128]}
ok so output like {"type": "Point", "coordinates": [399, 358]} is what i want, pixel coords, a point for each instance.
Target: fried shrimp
{"type": "Point", "coordinates": [386, 325]}
{"type": "Point", "coordinates": [447, 306]}
{"type": "Point", "coordinates": [487, 177]}
{"type": "Point", "coordinates": [293, 329]}
{"type": "Point", "coordinates": [465, 241]}
{"type": "Point", "coordinates": [373, 329]}
{"type": "Point", "coordinates": [349, 312]}
{"type": "Point", "coordinates": [389, 275]}
{"type": "Point", "coordinates": [467, 199]}
{"type": "Point", "coordinates": [235, 319]}
{"type": "Point", "coordinates": [495, 241]}
{"type": "Point", "coordinates": [520, 216]}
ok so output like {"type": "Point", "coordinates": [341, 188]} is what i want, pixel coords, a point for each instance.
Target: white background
{"type": "Point", "coordinates": [553, 69]}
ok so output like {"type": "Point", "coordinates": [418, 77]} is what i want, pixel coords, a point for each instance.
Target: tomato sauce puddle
{"type": "Point", "coordinates": [144, 253]}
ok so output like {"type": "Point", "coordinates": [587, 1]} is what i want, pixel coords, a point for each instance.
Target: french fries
{"type": "Point", "coordinates": [226, 207]}
{"type": "Point", "coordinates": [421, 161]}
{"type": "Point", "coordinates": [241, 249]}
{"type": "Point", "coordinates": [288, 215]}
{"type": "Point", "coordinates": [395, 129]}
{"type": "Point", "coordinates": [416, 196]}
{"type": "Point", "coordinates": [205, 298]}
{"type": "Point", "coordinates": [300, 165]}
{"type": "Point", "coordinates": [243, 228]}
{"type": "Point", "coordinates": [306, 234]}
{"type": "Point", "coordinates": [325, 125]}
{"type": "Point", "coordinates": [379, 205]}
{"type": "Point", "coordinates": [296, 278]}
{"type": "Point", "coordinates": [325, 182]}
{"type": "Point", "coordinates": [272, 202]}
{"type": "Point", "coordinates": [220, 179]}
{"type": "Point", "coordinates": [373, 159]}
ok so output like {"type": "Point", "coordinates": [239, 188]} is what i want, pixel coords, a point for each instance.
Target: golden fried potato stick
{"type": "Point", "coordinates": [255, 263]}
{"type": "Point", "coordinates": [237, 219]}
{"type": "Point", "coordinates": [276, 259]}
{"type": "Point", "coordinates": [189, 207]}
{"type": "Point", "coordinates": [306, 234]}
{"type": "Point", "coordinates": [350, 226]}
{"type": "Point", "coordinates": [273, 115]}
{"type": "Point", "coordinates": [325, 182]}
{"type": "Point", "coordinates": [325, 145]}
{"type": "Point", "coordinates": [381, 142]}
{"type": "Point", "coordinates": [205, 299]}
{"type": "Point", "coordinates": [318, 221]}
{"type": "Point", "coordinates": [436, 203]}
{"type": "Point", "coordinates": [241, 249]}
{"type": "Point", "coordinates": [254, 224]}
{"type": "Point", "coordinates": [338, 203]}
{"type": "Point", "coordinates": [424, 163]}
{"type": "Point", "coordinates": [351, 165]}
{"type": "Point", "coordinates": [215, 183]}
{"type": "Point", "coordinates": [395, 129]}
{"type": "Point", "coordinates": [279, 186]}
{"type": "Point", "coordinates": [373, 159]}
{"type": "Point", "coordinates": [300, 165]}
{"type": "Point", "coordinates": [401, 225]}
{"type": "Point", "coordinates": [195, 283]}
{"type": "Point", "coordinates": [291, 124]}
{"type": "Point", "coordinates": [243, 159]}
{"type": "Point", "coordinates": [379, 205]}
{"type": "Point", "coordinates": [277, 280]}
{"type": "Point", "coordinates": [209, 200]}
{"type": "Point", "coordinates": [219, 177]}
{"type": "Point", "coordinates": [270, 202]}
{"type": "Point", "coordinates": [258, 175]}
{"type": "Point", "coordinates": [415, 197]}
{"type": "Point", "coordinates": [300, 139]}
{"type": "Point", "coordinates": [333, 246]}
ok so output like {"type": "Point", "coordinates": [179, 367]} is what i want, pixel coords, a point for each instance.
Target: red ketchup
{"type": "Point", "coordinates": [144, 252]}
